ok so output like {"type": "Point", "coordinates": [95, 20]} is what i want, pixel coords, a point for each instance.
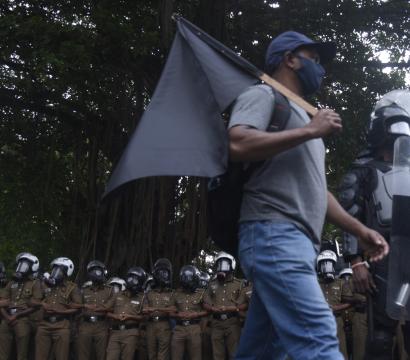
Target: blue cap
{"type": "Point", "coordinates": [290, 41]}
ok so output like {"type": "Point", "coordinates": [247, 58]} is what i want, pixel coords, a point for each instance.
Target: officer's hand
{"type": "Point", "coordinates": [363, 280]}
{"type": "Point", "coordinates": [47, 307]}
{"type": "Point", "coordinates": [374, 245]}
{"type": "Point", "coordinates": [12, 320]}
{"type": "Point", "coordinates": [90, 306]}
{"type": "Point", "coordinates": [324, 123]}
{"type": "Point", "coordinates": [147, 310]}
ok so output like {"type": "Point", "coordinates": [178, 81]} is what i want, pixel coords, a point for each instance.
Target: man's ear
{"type": "Point", "coordinates": [290, 61]}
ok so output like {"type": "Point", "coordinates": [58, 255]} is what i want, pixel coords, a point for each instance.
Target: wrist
{"type": "Point", "coordinates": [356, 260]}
{"type": "Point", "coordinates": [363, 263]}
{"type": "Point", "coordinates": [308, 132]}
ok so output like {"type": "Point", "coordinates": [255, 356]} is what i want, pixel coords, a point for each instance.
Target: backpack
{"type": "Point", "coordinates": [225, 191]}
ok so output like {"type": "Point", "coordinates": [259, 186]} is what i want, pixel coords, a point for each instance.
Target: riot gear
{"type": "Point", "coordinates": [326, 262]}
{"type": "Point", "coordinates": [118, 284]}
{"type": "Point", "coordinates": [136, 277]}
{"type": "Point", "coordinates": [97, 271]}
{"type": "Point", "coordinates": [390, 118]}
{"type": "Point", "coordinates": [149, 283]}
{"type": "Point", "coordinates": [26, 264]}
{"type": "Point", "coordinates": [162, 273]}
{"type": "Point", "coordinates": [346, 273]}
{"type": "Point", "coordinates": [224, 264]}
{"type": "Point", "coordinates": [204, 279]}
{"type": "Point", "coordinates": [189, 277]}
{"type": "Point", "coordinates": [61, 268]}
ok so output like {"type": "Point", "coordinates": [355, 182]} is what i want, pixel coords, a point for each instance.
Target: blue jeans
{"type": "Point", "coordinates": [288, 313]}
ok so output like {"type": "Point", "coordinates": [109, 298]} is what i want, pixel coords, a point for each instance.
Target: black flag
{"type": "Point", "coordinates": [182, 131]}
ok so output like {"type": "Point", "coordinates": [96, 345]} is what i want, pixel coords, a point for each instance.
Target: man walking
{"type": "Point", "coordinates": [284, 206]}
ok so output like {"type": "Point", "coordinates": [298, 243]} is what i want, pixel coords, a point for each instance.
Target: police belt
{"type": "Point", "coordinates": [158, 318]}
{"type": "Point", "coordinates": [188, 322]}
{"type": "Point", "coordinates": [124, 327]}
{"type": "Point", "coordinates": [224, 316]}
{"type": "Point", "coordinates": [94, 318]}
{"type": "Point", "coordinates": [56, 318]}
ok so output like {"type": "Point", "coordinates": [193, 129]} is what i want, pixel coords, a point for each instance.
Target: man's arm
{"type": "Point", "coordinates": [249, 144]}
{"type": "Point", "coordinates": [372, 242]}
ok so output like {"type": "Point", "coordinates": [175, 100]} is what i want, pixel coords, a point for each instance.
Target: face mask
{"type": "Point", "coordinates": [96, 275]}
{"type": "Point", "coordinates": [188, 280]}
{"type": "Point", "coordinates": [223, 265]}
{"type": "Point", "coordinates": [56, 277]}
{"type": "Point", "coordinates": [310, 75]}
{"type": "Point", "coordinates": [23, 268]}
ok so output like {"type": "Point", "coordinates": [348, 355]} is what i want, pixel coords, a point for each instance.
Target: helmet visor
{"type": "Point", "coordinates": [326, 267]}
{"type": "Point", "coordinates": [223, 265]}
{"type": "Point", "coordinates": [23, 266]}
{"type": "Point", "coordinates": [400, 128]}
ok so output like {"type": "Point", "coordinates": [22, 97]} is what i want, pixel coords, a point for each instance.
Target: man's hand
{"type": "Point", "coordinates": [373, 244]}
{"type": "Point", "coordinates": [324, 123]}
{"type": "Point", "coordinates": [363, 280]}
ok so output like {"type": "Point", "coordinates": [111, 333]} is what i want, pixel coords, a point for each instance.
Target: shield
{"type": "Point", "coordinates": [398, 287]}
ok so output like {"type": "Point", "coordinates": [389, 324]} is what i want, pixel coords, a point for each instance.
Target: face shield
{"type": "Point", "coordinates": [58, 274]}
{"type": "Point", "coordinates": [162, 276]}
{"type": "Point", "coordinates": [188, 279]}
{"type": "Point", "coordinates": [96, 275]}
{"type": "Point", "coordinates": [23, 269]}
{"type": "Point", "coordinates": [327, 270]}
{"type": "Point", "coordinates": [223, 268]}
{"type": "Point", "coordinates": [116, 288]}
{"type": "Point", "coordinates": [133, 283]}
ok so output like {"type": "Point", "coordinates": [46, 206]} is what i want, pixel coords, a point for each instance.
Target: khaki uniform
{"type": "Point", "coordinates": [186, 336]}
{"type": "Point", "coordinates": [359, 324]}
{"type": "Point", "coordinates": [158, 327]}
{"type": "Point", "coordinates": [206, 333]}
{"type": "Point", "coordinates": [93, 327]}
{"type": "Point", "coordinates": [123, 340]}
{"type": "Point", "coordinates": [247, 291]}
{"type": "Point", "coordinates": [142, 341]}
{"type": "Point", "coordinates": [19, 294]}
{"type": "Point", "coordinates": [53, 331]}
{"type": "Point", "coordinates": [337, 293]}
{"type": "Point", "coordinates": [226, 327]}
{"type": "Point", "coordinates": [6, 336]}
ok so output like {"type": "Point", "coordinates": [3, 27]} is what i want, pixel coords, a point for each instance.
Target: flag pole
{"type": "Point", "coordinates": [249, 67]}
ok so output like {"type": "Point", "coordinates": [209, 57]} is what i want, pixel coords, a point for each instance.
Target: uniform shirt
{"type": "Point", "coordinates": [336, 292]}
{"type": "Point", "coordinates": [3, 293]}
{"type": "Point", "coordinates": [159, 298]}
{"type": "Point", "coordinates": [127, 303]}
{"type": "Point", "coordinates": [61, 295]}
{"type": "Point", "coordinates": [290, 186]}
{"type": "Point", "coordinates": [187, 301]}
{"type": "Point", "coordinates": [99, 295]}
{"type": "Point", "coordinates": [227, 293]}
{"type": "Point", "coordinates": [20, 293]}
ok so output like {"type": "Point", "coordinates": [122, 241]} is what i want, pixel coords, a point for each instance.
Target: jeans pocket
{"type": "Point", "coordinates": [246, 249]}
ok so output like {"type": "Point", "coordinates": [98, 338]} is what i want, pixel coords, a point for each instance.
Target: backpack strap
{"type": "Point", "coordinates": [280, 117]}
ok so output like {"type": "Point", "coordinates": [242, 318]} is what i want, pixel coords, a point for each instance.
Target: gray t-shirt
{"type": "Point", "coordinates": [290, 186]}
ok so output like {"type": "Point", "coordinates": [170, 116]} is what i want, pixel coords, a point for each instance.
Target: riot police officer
{"type": "Point", "coordinates": [20, 292]}
{"type": "Point", "coordinates": [365, 192]}
{"type": "Point", "coordinates": [97, 300]}
{"type": "Point", "coordinates": [224, 300]}
{"type": "Point", "coordinates": [159, 306]}
{"type": "Point", "coordinates": [61, 299]}
{"type": "Point", "coordinates": [336, 294]}
{"type": "Point", "coordinates": [127, 315]}
{"type": "Point", "coordinates": [204, 279]}
{"type": "Point", "coordinates": [186, 337]}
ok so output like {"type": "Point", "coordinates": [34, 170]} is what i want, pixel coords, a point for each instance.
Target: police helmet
{"type": "Point", "coordinates": [390, 118]}
{"type": "Point", "coordinates": [225, 262]}
{"type": "Point", "coordinates": [117, 282]}
{"type": "Point", "coordinates": [162, 272]}
{"type": "Point", "coordinates": [204, 279]}
{"type": "Point", "coordinates": [136, 277]}
{"type": "Point", "coordinates": [346, 272]}
{"type": "Point", "coordinates": [189, 277]}
{"type": "Point", "coordinates": [97, 271]}
{"type": "Point", "coordinates": [326, 262]}
{"type": "Point", "coordinates": [27, 262]}
{"type": "Point", "coordinates": [65, 263]}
